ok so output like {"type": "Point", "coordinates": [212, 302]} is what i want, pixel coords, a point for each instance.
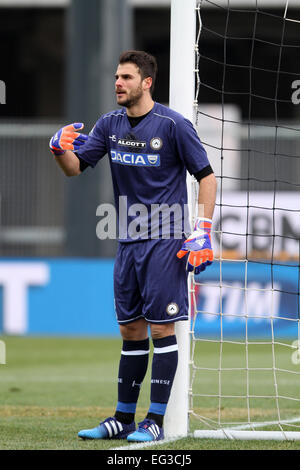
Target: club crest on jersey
{"type": "Point", "coordinates": [156, 143]}
{"type": "Point", "coordinates": [134, 159]}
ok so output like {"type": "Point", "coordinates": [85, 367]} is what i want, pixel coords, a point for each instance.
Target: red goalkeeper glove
{"type": "Point", "coordinates": [198, 245]}
{"type": "Point", "coordinates": [67, 139]}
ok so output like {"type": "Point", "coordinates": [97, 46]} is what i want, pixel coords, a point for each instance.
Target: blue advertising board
{"type": "Point", "coordinates": [57, 297]}
{"type": "Point", "coordinates": [75, 297]}
{"type": "Point", "coordinates": [247, 299]}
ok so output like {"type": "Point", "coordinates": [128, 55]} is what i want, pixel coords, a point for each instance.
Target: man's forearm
{"type": "Point", "coordinates": [207, 196]}
{"type": "Point", "coordinates": [69, 163]}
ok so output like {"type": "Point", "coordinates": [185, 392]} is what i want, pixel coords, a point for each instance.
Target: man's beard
{"type": "Point", "coordinates": [134, 98]}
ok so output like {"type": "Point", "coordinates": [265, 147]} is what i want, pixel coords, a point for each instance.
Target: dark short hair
{"type": "Point", "coordinates": [145, 62]}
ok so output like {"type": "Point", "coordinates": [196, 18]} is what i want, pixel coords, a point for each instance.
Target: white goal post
{"type": "Point", "coordinates": [182, 93]}
{"type": "Point", "coordinates": [184, 60]}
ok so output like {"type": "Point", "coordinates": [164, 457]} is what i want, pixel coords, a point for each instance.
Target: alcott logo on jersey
{"type": "Point", "coordinates": [135, 144]}
{"type": "Point", "coordinates": [135, 159]}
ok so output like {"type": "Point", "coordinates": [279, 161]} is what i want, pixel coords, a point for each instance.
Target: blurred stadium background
{"type": "Point", "coordinates": [58, 60]}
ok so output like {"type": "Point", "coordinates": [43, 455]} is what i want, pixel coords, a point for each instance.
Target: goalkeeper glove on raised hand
{"type": "Point", "coordinates": [67, 138]}
{"type": "Point", "coordinates": [198, 245]}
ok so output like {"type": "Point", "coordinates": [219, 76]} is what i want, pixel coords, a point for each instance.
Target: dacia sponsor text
{"type": "Point", "coordinates": [134, 159]}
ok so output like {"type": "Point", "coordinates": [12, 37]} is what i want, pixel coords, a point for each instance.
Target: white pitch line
{"type": "Point", "coordinates": [261, 425]}
{"type": "Point", "coordinates": [141, 445]}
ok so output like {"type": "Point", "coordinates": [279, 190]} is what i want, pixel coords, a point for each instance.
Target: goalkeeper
{"type": "Point", "coordinates": [150, 148]}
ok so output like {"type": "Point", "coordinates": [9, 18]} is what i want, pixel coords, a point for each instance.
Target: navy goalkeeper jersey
{"type": "Point", "coordinates": [148, 165]}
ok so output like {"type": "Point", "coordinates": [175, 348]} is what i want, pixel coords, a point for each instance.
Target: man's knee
{"type": "Point", "coordinates": [134, 331]}
{"type": "Point", "coordinates": [162, 330]}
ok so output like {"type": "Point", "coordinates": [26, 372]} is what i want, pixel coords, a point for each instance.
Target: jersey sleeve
{"type": "Point", "coordinates": [95, 148]}
{"type": "Point", "coordinates": [190, 149]}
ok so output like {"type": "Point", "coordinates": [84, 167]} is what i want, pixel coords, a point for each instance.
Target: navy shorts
{"type": "Point", "coordinates": [150, 282]}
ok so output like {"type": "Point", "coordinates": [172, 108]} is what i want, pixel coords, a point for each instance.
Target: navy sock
{"type": "Point", "coordinates": [164, 365]}
{"type": "Point", "coordinates": [132, 370]}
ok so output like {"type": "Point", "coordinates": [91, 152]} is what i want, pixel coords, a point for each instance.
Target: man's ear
{"type": "Point", "coordinates": [147, 83]}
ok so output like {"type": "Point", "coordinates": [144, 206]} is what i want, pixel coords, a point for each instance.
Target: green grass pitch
{"type": "Point", "coordinates": [50, 388]}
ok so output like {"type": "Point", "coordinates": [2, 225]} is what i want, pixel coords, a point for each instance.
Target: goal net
{"type": "Point", "coordinates": [245, 361]}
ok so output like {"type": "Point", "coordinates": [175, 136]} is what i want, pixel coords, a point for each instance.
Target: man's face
{"type": "Point", "coordinates": [129, 85]}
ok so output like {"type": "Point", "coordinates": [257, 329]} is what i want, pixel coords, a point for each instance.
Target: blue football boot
{"type": "Point", "coordinates": [108, 429]}
{"type": "Point", "coordinates": [147, 431]}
